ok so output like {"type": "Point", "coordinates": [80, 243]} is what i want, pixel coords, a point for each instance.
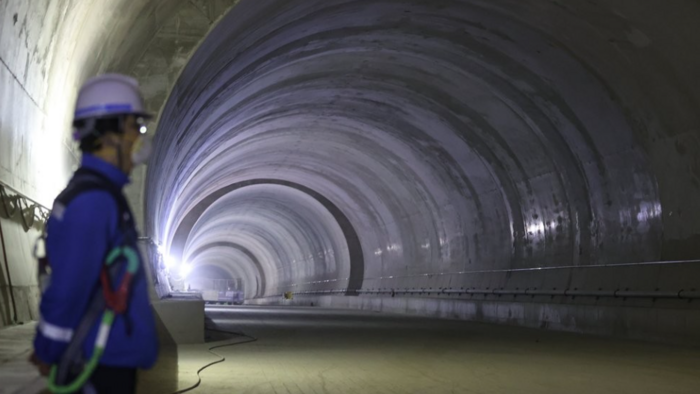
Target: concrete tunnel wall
{"type": "Point", "coordinates": [471, 144]}
{"type": "Point", "coordinates": [47, 48]}
{"type": "Point", "coordinates": [463, 143]}
{"type": "Point", "coordinates": [37, 88]}
{"type": "Point", "coordinates": [276, 232]}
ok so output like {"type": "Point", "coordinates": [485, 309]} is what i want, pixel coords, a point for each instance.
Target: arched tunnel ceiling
{"type": "Point", "coordinates": [350, 240]}
{"type": "Point", "coordinates": [231, 272]}
{"type": "Point", "coordinates": [281, 237]}
{"type": "Point", "coordinates": [171, 31]}
{"type": "Point", "coordinates": [448, 136]}
{"type": "Point", "coordinates": [454, 135]}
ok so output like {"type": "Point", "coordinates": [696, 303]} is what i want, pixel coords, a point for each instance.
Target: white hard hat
{"type": "Point", "coordinates": [109, 95]}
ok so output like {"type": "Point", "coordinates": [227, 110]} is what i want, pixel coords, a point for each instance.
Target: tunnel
{"type": "Point", "coordinates": [527, 165]}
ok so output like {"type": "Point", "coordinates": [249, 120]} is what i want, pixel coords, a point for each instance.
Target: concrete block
{"type": "Point", "coordinates": [184, 319]}
{"type": "Point", "coordinates": [163, 377]}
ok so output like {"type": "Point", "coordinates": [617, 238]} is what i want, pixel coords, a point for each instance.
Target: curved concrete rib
{"type": "Point", "coordinates": [352, 240]}
{"type": "Point", "coordinates": [455, 136]}
{"type": "Point", "coordinates": [261, 285]}
{"type": "Point", "coordinates": [456, 143]}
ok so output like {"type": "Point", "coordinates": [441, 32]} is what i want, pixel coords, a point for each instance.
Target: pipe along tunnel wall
{"type": "Point", "coordinates": [437, 144]}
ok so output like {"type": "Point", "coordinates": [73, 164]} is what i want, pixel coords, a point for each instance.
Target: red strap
{"type": "Point", "coordinates": [116, 300]}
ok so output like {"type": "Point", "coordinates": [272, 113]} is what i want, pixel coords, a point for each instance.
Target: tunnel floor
{"type": "Point", "coordinates": [314, 350]}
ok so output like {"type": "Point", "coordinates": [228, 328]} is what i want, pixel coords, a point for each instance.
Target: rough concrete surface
{"type": "Point", "coordinates": [17, 375]}
{"type": "Point", "coordinates": [345, 145]}
{"type": "Point", "coordinates": [667, 324]}
{"type": "Point", "coordinates": [468, 144]}
{"type": "Point", "coordinates": [314, 350]}
{"type": "Point", "coordinates": [455, 136]}
{"type": "Point", "coordinates": [47, 49]}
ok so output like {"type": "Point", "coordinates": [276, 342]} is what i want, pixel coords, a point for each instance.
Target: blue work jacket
{"type": "Point", "coordinates": [79, 236]}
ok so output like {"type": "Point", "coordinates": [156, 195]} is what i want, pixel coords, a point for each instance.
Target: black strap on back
{"type": "Point", "coordinates": [85, 180]}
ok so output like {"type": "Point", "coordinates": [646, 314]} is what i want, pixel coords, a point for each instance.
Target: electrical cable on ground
{"type": "Point", "coordinates": [199, 378]}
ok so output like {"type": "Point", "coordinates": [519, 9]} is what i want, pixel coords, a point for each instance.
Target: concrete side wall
{"type": "Point", "coordinates": [47, 48]}
{"type": "Point", "coordinates": [470, 143]}
{"type": "Point", "coordinates": [184, 319]}
{"type": "Point", "coordinates": [664, 320]}
{"type": "Point", "coordinates": [43, 59]}
{"type": "Point", "coordinates": [676, 322]}
{"type": "Point", "coordinates": [457, 136]}
{"type": "Point", "coordinates": [22, 274]}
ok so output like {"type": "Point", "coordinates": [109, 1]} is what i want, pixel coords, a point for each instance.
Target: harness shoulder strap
{"type": "Point", "coordinates": [86, 180]}
{"type": "Point", "coordinates": [83, 181]}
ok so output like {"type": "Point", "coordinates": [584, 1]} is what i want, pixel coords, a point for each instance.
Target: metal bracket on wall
{"type": "Point", "coordinates": [15, 204]}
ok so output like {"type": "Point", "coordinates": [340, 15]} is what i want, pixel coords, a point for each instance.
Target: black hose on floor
{"type": "Point", "coordinates": [199, 378]}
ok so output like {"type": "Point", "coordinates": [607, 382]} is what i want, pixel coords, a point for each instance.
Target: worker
{"type": "Point", "coordinates": [97, 327]}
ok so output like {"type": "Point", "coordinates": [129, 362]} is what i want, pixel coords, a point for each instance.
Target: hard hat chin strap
{"type": "Point", "coordinates": [119, 149]}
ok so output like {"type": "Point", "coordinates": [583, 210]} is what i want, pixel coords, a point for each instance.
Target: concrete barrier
{"type": "Point", "coordinates": [183, 319]}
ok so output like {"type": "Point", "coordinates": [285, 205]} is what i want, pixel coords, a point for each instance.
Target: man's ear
{"type": "Point", "coordinates": [110, 139]}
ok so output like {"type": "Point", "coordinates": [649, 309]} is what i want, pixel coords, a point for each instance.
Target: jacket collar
{"type": "Point", "coordinates": [115, 175]}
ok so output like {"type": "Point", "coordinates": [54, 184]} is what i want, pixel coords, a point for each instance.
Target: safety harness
{"type": "Point", "coordinates": [72, 372]}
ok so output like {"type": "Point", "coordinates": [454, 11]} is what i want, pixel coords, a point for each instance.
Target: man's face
{"type": "Point", "coordinates": [123, 144]}
{"type": "Point", "coordinates": [129, 138]}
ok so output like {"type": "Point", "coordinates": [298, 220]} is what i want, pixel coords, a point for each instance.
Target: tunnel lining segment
{"type": "Point", "coordinates": [242, 249]}
{"type": "Point", "coordinates": [352, 240]}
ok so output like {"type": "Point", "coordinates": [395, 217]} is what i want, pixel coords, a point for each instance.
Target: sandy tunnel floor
{"type": "Point", "coordinates": [312, 350]}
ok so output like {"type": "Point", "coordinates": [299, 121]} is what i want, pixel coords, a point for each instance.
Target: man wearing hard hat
{"type": "Point", "coordinates": [96, 326]}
